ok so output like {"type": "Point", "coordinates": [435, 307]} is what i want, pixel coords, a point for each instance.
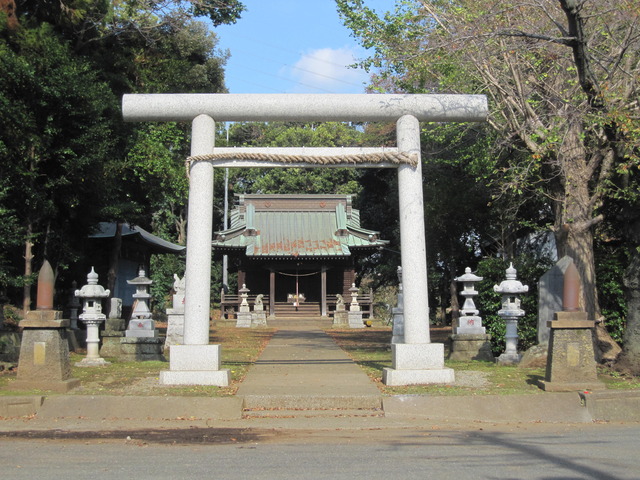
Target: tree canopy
{"type": "Point", "coordinates": [68, 160]}
{"type": "Point", "coordinates": [562, 79]}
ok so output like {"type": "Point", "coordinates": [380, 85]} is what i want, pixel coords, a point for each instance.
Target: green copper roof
{"type": "Point", "coordinates": [296, 226]}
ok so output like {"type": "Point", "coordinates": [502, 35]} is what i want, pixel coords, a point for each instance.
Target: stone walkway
{"type": "Point", "coordinates": [303, 368]}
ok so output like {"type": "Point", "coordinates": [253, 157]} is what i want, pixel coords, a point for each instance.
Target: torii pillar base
{"type": "Point", "coordinates": [195, 365]}
{"type": "Point", "coordinates": [417, 364]}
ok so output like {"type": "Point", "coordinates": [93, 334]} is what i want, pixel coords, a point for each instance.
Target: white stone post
{"type": "Point", "coordinates": [196, 362]}
{"type": "Point", "coordinates": [199, 228]}
{"type": "Point", "coordinates": [412, 235]}
{"type": "Point", "coordinates": [416, 361]}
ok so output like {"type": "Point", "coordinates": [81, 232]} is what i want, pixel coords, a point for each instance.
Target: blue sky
{"type": "Point", "coordinates": [293, 46]}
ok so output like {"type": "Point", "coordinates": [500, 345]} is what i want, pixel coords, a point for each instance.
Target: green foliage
{"type": "Point", "coordinates": [68, 159]}
{"type": "Point", "coordinates": [163, 267]}
{"type": "Point", "coordinates": [54, 134]}
{"type": "Point", "coordinates": [610, 271]}
{"type": "Point", "coordinates": [488, 302]}
{"type": "Point", "coordinates": [295, 180]}
{"type": "Point", "coordinates": [563, 108]}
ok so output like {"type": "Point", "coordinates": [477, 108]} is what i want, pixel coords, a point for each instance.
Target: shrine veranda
{"type": "Point", "coordinates": [417, 360]}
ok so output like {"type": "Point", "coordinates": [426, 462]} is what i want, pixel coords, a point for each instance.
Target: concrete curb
{"type": "Point", "coordinates": [20, 406]}
{"type": "Point", "coordinates": [571, 407]}
{"type": "Point", "coordinates": [550, 407]}
{"type": "Point", "coordinates": [613, 406]}
{"type": "Point", "coordinates": [107, 407]}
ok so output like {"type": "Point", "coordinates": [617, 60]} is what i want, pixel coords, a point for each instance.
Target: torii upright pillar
{"type": "Point", "coordinates": [196, 362]}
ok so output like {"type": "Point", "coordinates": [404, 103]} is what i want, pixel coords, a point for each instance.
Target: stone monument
{"type": "Point", "coordinates": [114, 329]}
{"type": "Point", "coordinates": [44, 352]}
{"type": "Point", "coordinates": [92, 295]}
{"type": "Point", "coordinates": [571, 364]}
{"type": "Point", "coordinates": [244, 311]}
{"type": "Point", "coordinates": [470, 340]}
{"type": "Point", "coordinates": [550, 291]}
{"type": "Point", "coordinates": [355, 314]}
{"type": "Point", "coordinates": [397, 333]}
{"type": "Point", "coordinates": [74, 335]}
{"type": "Point", "coordinates": [259, 316]}
{"type": "Point", "coordinates": [175, 314]}
{"type": "Point", "coordinates": [511, 311]}
{"type": "Point", "coordinates": [340, 315]}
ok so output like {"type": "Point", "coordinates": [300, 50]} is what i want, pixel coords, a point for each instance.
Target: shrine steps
{"type": "Point", "coordinates": [304, 310]}
{"type": "Point", "coordinates": [285, 322]}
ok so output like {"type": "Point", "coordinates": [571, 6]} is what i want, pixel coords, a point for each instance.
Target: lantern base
{"type": "Point", "coordinates": [509, 358]}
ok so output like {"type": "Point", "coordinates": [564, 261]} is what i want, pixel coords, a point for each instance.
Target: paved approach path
{"type": "Point", "coordinates": [303, 368]}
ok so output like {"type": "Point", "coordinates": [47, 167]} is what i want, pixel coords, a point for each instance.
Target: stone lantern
{"type": "Point", "coordinates": [355, 314]}
{"type": "Point", "coordinates": [244, 311]}
{"type": "Point", "coordinates": [142, 295]}
{"type": "Point", "coordinates": [470, 321]}
{"type": "Point", "coordinates": [141, 324]}
{"type": "Point", "coordinates": [92, 295]}
{"type": "Point", "coordinates": [511, 311]}
{"type": "Point", "coordinates": [470, 340]}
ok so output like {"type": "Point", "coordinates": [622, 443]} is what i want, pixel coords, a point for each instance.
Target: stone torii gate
{"type": "Point", "coordinates": [417, 360]}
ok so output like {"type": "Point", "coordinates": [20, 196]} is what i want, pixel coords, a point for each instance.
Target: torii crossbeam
{"type": "Point", "coordinates": [417, 361]}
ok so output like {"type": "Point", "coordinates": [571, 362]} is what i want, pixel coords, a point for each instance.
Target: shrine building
{"type": "Point", "coordinates": [297, 250]}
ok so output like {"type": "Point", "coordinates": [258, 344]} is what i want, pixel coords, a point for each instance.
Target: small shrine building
{"type": "Point", "coordinates": [297, 250]}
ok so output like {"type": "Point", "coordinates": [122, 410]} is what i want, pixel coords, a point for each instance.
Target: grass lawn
{"type": "Point", "coordinates": [371, 350]}
{"type": "Point", "coordinates": [241, 348]}
{"type": "Point", "coordinates": [369, 347]}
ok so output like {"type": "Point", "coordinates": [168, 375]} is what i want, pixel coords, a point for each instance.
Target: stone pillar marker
{"type": "Point", "coordinates": [44, 352]}
{"type": "Point", "coordinates": [398, 313]}
{"type": "Point", "coordinates": [92, 295]}
{"type": "Point", "coordinates": [470, 340]}
{"type": "Point", "coordinates": [571, 364]}
{"type": "Point", "coordinates": [418, 361]}
{"type": "Point", "coordinates": [175, 315]}
{"type": "Point", "coordinates": [511, 311]}
{"type": "Point", "coordinates": [74, 306]}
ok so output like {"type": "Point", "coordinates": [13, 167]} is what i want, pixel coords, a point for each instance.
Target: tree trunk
{"type": "Point", "coordinates": [455, 304]}
{"type": "Point", "coordinates": [181, 227]}
{"type": "Point", "coordinates": [574, 223]}
{"type": "Point", "coordinates": [28, 270]}
{"type": "Point", "coordinates": [114, 257]}
{"type": "Point", "coordinates": [630, 358]}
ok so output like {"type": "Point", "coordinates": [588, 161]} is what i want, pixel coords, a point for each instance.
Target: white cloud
{"type": "Point", "coordinates": [327, 70]}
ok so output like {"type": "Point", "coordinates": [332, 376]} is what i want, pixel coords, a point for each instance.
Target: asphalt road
{"type": "Point", "coordinates": [488, 452]}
